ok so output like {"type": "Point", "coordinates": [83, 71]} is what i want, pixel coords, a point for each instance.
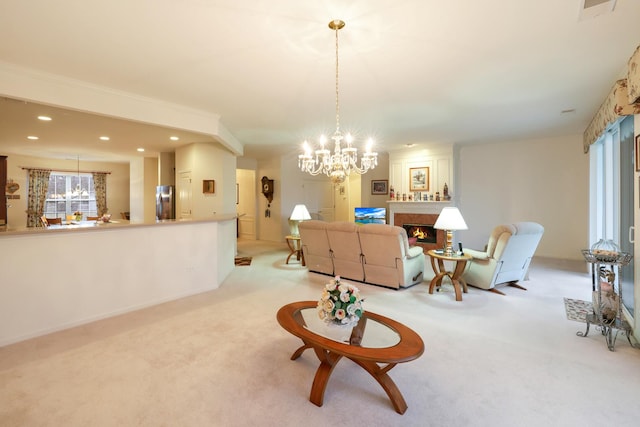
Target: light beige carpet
{"type": "Point", "coordinates": [221, 359]}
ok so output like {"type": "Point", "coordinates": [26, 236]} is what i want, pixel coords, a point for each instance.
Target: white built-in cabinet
{"type": "Point", "coordinates": [439, 160]}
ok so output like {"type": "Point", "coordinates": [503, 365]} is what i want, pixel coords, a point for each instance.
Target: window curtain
{"type": "Point", "coordinates": [623, 100]}
{"type": "Point", "coordinates": [100, 187]}
{"type": "Point", "coordinates": [37, 194]}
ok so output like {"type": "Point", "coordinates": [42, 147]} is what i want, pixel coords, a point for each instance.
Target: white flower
{"type": "Point", "coordinates": [328, 306]}
{"type": "Point", "coordinates": [322, 314]}
{"type": "Point", "coordinates": [345, 296]}
{"type": "Point", "coordinates": [340, 314]}
{"type": "Point", "coordinates": [351, 309]}
{"type": "Point", "coordinates": [331, 286]}
{"type": "Point", "coordinates": [343, 288]}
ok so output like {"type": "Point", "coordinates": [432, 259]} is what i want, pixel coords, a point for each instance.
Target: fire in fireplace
{"type": "Point", "coordinates": [425, 233]}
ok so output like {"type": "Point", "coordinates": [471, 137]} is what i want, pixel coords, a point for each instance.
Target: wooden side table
{"type": "Point", "coordinates": [458, 282]}
{"type": "Point", "coordinates": [295, 246]}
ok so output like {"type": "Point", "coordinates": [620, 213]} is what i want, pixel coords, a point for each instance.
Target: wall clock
{"type": "Point", "coordinates": [267, 188]}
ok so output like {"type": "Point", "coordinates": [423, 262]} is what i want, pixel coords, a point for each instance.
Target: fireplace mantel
{"type": "Point", "coordinates": [429, 208]}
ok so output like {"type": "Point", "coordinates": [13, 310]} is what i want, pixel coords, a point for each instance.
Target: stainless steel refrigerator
{"type": "Point", "coordinates": [165, 202]}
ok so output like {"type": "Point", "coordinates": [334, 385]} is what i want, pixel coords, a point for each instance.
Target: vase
{"type": "Point", "coordinates": [337, 331]}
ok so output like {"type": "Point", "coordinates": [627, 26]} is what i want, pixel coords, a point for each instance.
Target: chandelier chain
{"type": "Point", "coordinates": [337, 87]}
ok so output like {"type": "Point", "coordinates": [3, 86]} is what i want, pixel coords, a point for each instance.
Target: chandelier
{"type": "Point", "coordinates": [344, 160]}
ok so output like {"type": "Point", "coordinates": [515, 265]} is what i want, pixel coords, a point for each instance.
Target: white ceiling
{"type": "Point", "coordinates": [411, 71]}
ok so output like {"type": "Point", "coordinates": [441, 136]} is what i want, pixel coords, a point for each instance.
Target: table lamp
{"type": "Point", "coordinates": [450, 219]}
{"type": "Point", "coordinates": [300, 213]}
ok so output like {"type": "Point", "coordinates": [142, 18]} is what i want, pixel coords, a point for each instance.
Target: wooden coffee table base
{"type": "Point", "coordinates": [329, 360]}
{"type": "Point", "coordinates": [377, 361]}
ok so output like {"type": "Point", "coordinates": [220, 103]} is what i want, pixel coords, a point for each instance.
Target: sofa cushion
{"type": "Point", "coordinates": [345, 249]}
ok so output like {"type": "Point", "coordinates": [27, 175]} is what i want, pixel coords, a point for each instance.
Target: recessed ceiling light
{"type": "Point", "coordinates": [32, 137]}
{"type": "Point", "coordinates": [409, 145]}
{"type": "Point", "coordinates": [141, 149]}
{"type": "Point", "coordinates": [104, 138]}
{"type": "Point", "coordinates": [174, 138]}
{"type": "Point", "coordinates": [44, 118]}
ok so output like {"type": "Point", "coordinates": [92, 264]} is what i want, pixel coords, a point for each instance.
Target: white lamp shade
{"type": "Point", "coordinates": [300, 213]}
{"type": "Point", "coordinates": [450, 219]}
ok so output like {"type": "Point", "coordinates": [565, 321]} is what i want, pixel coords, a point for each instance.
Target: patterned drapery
{"type": "Point", "coordinates": [37, 194]}
{"type": "Point", "coordinates": [623, 100]}
{"type": "Point", "coordinates": [100, 186]}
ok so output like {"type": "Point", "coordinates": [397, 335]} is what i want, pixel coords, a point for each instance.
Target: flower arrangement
{"type": "Point", "coordinates": [78, 215]}
{"type": "Point", "coordinates": [340, 303]}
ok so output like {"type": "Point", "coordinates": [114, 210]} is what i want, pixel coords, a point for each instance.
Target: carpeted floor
{"type": "Point", "coordinates": [243, 260]}
{"type": "Point", "coordinates": [577, 309]}
{"type": "Point", "coordinates": [221, 359]}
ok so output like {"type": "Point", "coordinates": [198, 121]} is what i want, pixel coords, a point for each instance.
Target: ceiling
{"type": "Point", "coordinates": [411, 71]}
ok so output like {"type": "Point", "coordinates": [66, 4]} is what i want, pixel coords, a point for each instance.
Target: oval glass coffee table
{"type": "Point", "coordinates": [374, 341]}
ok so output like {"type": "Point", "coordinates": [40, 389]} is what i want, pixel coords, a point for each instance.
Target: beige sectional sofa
{"type": "Point", "coordinates": [372, 253]}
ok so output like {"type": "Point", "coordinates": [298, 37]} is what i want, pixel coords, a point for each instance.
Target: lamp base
{"type": "Point", "coordinates": [293, 227]}
{"type": "Point", "coordinates": [448, 248]}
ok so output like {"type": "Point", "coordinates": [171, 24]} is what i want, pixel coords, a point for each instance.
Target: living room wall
{"type": "Point", "coordinates": [541, 180]}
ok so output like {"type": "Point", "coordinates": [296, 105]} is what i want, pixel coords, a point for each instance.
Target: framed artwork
{"type": "Point", "coordinates": [637, 153]}
{"type": "Point", "coordinates": [419, 179]}
{"type": "Point", "coordinates": [379, 186]}
{"type": "Point", "coordinates": [208, 186]}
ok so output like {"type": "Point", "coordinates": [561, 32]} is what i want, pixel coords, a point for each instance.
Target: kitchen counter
{"type": "Point", "coordinates": [57, 278]}
{"type": "Point", "coordinates": [101, 226]}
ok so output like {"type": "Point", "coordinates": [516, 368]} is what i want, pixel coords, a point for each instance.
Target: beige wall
{"type": "Point", "coordinates": [117, 183]}
{"type": "Point", "coordinates": [543, 180]}
{"type": "Point", "coordinates": [207, 162]}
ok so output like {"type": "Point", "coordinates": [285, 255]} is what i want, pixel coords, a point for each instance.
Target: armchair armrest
{"type": "Point", "coordinates": [476, 254]}
{"type": "Point", "coordinates": [414, 251]}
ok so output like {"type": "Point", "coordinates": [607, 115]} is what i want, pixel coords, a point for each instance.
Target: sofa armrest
{"type": "Point", "coordinates": [476, 254]}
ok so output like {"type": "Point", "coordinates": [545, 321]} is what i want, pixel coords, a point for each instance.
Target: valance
{"type": "Point", "coordinates": [623, 100]}
{"type": "Point", "coordinates": [633, 77]}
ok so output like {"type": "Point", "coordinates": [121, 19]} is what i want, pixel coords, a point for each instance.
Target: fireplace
{"type": "Point", "coordinates": [422, 225]}
{"type": "Point", "coordinates": [424, 233]}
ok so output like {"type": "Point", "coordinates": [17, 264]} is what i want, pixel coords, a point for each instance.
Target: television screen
{"type": "Point", "coordinates": [371, 215]}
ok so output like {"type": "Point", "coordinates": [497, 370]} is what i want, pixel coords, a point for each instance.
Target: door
{"type": "Point", "coordinates": [319, 199]}
{"type": "Point", "coordinates": [186, 192]}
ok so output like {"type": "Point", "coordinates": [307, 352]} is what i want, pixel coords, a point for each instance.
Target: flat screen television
{"type": "Point", "coordinates": [371, 215]}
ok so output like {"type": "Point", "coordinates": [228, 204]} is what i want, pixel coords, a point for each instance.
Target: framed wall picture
{"type": "Point", "coordinates": [419, 179]}
{"type": "Point", "coordinates": [637, 153]}
{"type": "Point", "coordinates": [379, 186]}
{"type": "Point", "coordinates": [208, 186]}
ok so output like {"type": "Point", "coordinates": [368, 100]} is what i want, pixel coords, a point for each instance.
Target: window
{"type": "Point", "coordinates": [605, 164]}
{"type": "Point", "coordinates": [69, 193]}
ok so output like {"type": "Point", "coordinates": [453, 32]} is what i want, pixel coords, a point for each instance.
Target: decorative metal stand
{"type": "Point", "coordinates": [607, 311]}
